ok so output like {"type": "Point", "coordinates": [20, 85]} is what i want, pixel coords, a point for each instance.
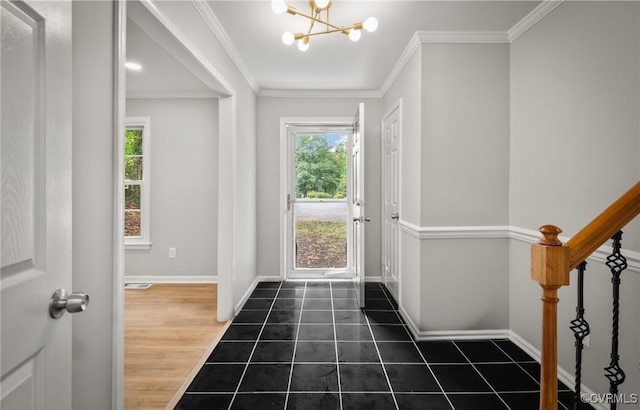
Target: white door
{"type": "Point", "coordinates": [391, 198]}
{"type": "Point", "coordinates": [35, 192]}
{"type": "Point", "coordinates": [358, 203]}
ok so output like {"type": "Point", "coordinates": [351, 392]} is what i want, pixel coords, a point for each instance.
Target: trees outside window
{"type": "Point", "coordinates": [137, 182]}
{"type": "Point", "coordinates": [321, 169]}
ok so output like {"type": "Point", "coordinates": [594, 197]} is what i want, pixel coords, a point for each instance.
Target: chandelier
{"type": "Point", "coordinates": [318, 9]}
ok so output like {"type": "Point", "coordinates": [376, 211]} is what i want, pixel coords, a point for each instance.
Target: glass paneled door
{"type": "Point", "coordinates": [319, 229]}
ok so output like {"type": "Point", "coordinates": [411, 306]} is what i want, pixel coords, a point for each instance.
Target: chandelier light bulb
{"type": "Point", "coordinates": [278, 6]}
{"type": "Point", "coordinates": [303, 45]}
{"type": "Point", "coordinates": [322, 4]}
{"type": "Point", "coordinates": [288, 38]}
{"type": "Point", "coordinates": [370, 24]}
{"type": "Point", "coordinates": [354, 34]}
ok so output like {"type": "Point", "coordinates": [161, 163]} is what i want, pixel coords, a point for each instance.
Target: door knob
{"type": "Point", "coordinates": [62, 301]}
{"type": "Point", "coordinates": [395, 216]}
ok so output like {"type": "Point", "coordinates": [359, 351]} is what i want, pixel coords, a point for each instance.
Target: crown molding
{"type": "Point", "coordinates": [444, 37]}
{"type": "Point", "coordinates": [162, 94]}
{"type": "Point", "coordinates": [406, 55]}
{"type": "Point", "coordinates": [537, 14]}
{"type": "Point", "coordinates": [216, 28]}
{"type": "Point", "coordinates": [184, 48]}
{"type": "Point", "coordinates": [319, 94]}
{"type": "Point", "coordinates": [472, 37]}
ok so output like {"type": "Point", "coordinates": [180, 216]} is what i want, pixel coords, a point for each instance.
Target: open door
{"type": "Point", "coordinates": [35, 91]}
{"type": "Point", "coordinates": [358, 203]}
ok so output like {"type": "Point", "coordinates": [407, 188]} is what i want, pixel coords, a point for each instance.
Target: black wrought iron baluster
{"type": "Point", "coordinates": [617, 263]}
{"type": "Point", "coordinates": [580, 328]}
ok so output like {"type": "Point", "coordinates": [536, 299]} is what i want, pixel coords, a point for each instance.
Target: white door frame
{"type": "Point", "coordinates": [285, 176]}
{"type": "Point", "coordinates": [206, 71]}
{"type": "Point", "coordinates": [291, 129]}
{"type": "Point", "coordinates": [396, 106]}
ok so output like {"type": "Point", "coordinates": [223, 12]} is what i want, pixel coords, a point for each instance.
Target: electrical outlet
{"type": "Point", "coordinates": [172, 253]}
{"type": "Point", "coordinates": [587, 341]}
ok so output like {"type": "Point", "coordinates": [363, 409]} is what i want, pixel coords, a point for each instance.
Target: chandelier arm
{"type": "Point", "coordinates": [319, 20]}
{"type": "Point", "coordinates": [344, 30]}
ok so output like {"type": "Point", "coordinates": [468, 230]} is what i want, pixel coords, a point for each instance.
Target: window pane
{"type": "Point", "coordinates": [321, 166]}
{"type": "Point", "coordinates": [321, 235]}
{"type": "Point", "coordinates": [132, 223]}
{"type": "Point", "coordinates": [132, 197]}
{"type": "Point", "coordinates": [133, 168]}
{"type": "Point", "coordinates": [133, 142]}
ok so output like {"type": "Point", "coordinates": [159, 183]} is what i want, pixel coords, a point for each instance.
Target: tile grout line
{"type": "Point", "coordinates": [255, 345]}
{"type": "Point", "coordinates": [335, 342]}
{"type": "Point", "coordinates": [529, 374]}
{"type": "Point", "coordinates": [384, 369]}
{"type": "Point", "coordinates": [295, 345]}
{"type": "Point", "coordinates": [481, 375]}
{"type": "Point", "coordinates": [419, 352]}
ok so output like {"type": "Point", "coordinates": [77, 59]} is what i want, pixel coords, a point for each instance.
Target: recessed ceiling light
{"type": "Point", "coordinates": [133, 66]}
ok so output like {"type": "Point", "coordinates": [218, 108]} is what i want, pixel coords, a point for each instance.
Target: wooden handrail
{"type": "Point", "coordinates": [604, 226]}
{"type": "Point", "coordinates": [551, 264]}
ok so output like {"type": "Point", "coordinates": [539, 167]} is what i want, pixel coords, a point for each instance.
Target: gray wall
{"type": "Point", "coordinates": [93, 202]}
{"type": "Point", "coordinates": [244, 235]}
{"type": "Point", "coordinates": [574, 149]}
{"type": "Point", "coordinates": [455, 174]}
{"type": "Point", "coordinates": [270, 110]}
{"type": "Point", "coordinates": [184, 186]}
{"type": "Point", "coordinates": [407, 89]}
{"type": "Point", "coordinates": [465, 168]}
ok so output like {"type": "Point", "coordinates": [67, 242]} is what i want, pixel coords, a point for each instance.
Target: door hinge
{"type": "Point", "coordinates": [288, 202]}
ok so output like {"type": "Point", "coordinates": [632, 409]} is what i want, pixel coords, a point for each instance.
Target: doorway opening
{"type": "Point", "coordinates": [318, 194]}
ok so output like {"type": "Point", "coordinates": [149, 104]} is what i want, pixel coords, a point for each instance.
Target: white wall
{"type": "Point", "coordinates": [93, 203]}
{"type": "Point", "coordinates": [574, 149]}
{"type": "Point", "coordinates": [270, 110]}
{"type": "Point", "coordinates": [184, 190]}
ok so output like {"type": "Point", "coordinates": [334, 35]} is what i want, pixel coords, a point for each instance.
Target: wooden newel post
{"type": "Point", "coordinates": [550, 268]}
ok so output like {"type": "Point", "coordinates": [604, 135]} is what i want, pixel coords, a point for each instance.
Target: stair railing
{"type": "Point", "coordinates": [551, 263]}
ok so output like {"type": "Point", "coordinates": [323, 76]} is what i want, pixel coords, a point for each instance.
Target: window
{"type": "Point", "coordinates": [137, 183]}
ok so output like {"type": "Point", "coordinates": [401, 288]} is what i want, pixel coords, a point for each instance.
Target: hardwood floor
{"type": "Point", "coordinates": [169, 329]}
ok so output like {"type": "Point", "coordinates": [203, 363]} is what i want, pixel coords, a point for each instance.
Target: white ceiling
{"type": "Point", "coordinates": [162, 74]}
{"type": "Point", "coordinates": [333, 62]}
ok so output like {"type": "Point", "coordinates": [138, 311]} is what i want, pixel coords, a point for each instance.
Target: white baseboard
{"type": "Point", "coordinates": [563, 375]}
{"type": "Point", "coordinates": [265, 278]}
{"type": "Point", "coordinates": [171, 279]}
{"type": "Point", "coordinates": [246, 295]}
{"type": "Point", "coordinates": [422, 335]}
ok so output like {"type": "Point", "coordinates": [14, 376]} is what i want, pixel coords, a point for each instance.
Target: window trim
{"type": "Point", "coordinates": [142, 242]}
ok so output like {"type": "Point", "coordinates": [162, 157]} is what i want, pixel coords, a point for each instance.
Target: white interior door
{"type": "Point", "coordinates": [391, 197]}
{"type": "Point", "coordinates": [358, 203]}
{"type": "Point", "coordinates": [35, 195]}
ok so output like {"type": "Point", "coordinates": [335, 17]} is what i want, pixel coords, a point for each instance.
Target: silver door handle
{"type": "Point", "coordinates": [62, 301]}
{"type": "Point", "coordinates": [362, 219]}
{"type": "Point", "coordinates": [395, 216]}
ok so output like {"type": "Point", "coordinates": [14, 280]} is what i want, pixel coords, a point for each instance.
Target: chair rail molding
{"type": "Point", "coordinates": [525, 235]}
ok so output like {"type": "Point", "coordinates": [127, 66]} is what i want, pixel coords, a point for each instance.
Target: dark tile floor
{"type": "Point", "coordinates": [307, 345]}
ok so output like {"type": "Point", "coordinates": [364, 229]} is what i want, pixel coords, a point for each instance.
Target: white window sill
{"type": "Point", "coordinates": [138, 246]}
